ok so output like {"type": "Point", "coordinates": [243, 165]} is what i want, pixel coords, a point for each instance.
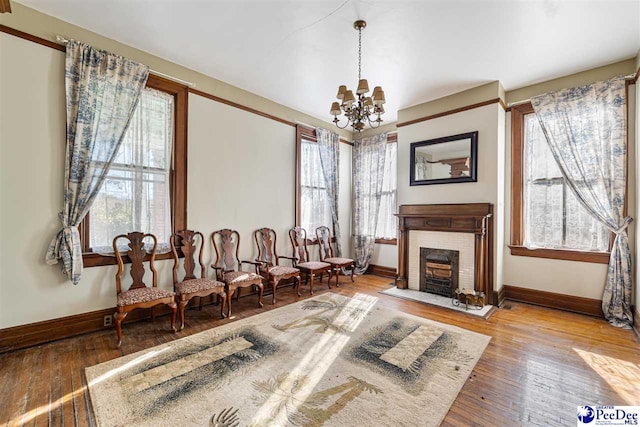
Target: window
{"type": "Point", "coordinates": [144, 189]}
{"type": "Point", "coordinates": [314, 202]}
{"type": "Point", "coordinates": [386, 229]}
{"type": "Point", "coordinates": [135, 193]}
{"type": "Point", "coordinates": [547, 219]}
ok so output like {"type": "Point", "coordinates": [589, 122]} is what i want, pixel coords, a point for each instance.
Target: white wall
{"type": "Point", "coordinates": [486, 120]}
{"type": "Point", "coordinates": [241, 174]}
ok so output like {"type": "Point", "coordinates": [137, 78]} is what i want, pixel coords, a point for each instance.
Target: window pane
{"type": "Point", "coordinates": [135, 193]}
{"type": "Point", "coordinates": [386, 227]}
{"type": "Point", "coordinates": [553, 217]}
{"type": "Point", "coordinates": [315, 209]}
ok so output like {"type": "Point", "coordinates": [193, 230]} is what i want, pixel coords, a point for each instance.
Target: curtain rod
{"type": "Point", "coordinates": [64, 40]}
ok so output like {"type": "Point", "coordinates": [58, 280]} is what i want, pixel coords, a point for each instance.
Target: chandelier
{"type": "Point", "coordinates": [363, 109]}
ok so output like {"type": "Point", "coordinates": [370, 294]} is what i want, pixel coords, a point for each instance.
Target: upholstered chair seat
{"type": "Point", "coordinates": [199, 285]}
{"type": "Point", "coordinates": [313, 265]}
{"type": "Point", "coordinates": [338, 260]}
{"type": "Point", "coordinates": [237, 277]}
{"type": "Point", "coordinates": [142, 295]}
{"type": "Point", "coordinates": [281, 270]}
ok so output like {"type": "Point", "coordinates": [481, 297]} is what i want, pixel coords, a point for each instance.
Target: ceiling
{"type": "Point", "coordinates": [297, 52]}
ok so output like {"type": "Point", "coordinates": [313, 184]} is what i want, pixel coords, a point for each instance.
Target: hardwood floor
{"type": "Point", "coordinates": [539, 366]}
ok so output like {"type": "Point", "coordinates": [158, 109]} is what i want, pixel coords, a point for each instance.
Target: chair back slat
{"type": "Point", "coordinates": [323, 234]}
{"type": "Point", "coordinates": [298, 237]}
{"type": "Point", "coordinates": [136, 254]}
{"type": "Point", "coordinates": [189, 244]}
{"type": "Point", "coordinates": [266, 241]}
{"type": "Point", "coordinates": [226, 243]}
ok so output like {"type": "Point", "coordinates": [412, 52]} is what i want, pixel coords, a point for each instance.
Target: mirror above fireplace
{"type": "Point", "coordinates": [444, 160]}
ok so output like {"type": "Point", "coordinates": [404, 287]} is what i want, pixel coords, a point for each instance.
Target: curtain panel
{"type": "Point", "coordinates": [329, 150]}
{"type": "Point", "coordinates": [102, 90]}
{"type": "Point", "coordinates": [586, 131]}
{"type": "Point", "coordinates": [368, 174]}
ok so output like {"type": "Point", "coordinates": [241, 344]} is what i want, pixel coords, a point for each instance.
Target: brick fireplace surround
{"type": "Point", "coordinates": [474, 218]}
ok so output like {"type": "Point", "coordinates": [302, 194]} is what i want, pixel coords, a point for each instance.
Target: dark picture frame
{"type": "Point", "coordinates": [472, 161]}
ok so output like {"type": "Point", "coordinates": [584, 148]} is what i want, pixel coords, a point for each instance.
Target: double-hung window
{"type": "Point", "coordinates": [144, 187]}
{"type": "Point", "coordinates": [547, 218]}
{"type": "Point", "coordinates": [135, 193]}
{"type": "Point", "coordinates": [315, 209]}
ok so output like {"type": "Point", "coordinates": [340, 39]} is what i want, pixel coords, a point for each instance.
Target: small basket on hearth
{"type": "Point", "coordinates": [468, 297]}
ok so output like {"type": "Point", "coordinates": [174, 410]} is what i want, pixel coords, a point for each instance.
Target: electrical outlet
{"type": "Point", "coordinates": [108, 320]}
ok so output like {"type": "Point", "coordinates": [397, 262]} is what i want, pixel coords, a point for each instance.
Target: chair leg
{"type": "Point", "coordinates": [261, 286]}
{"type": "Point", "coordinates": [274, 285]}
{"type": "Point", "coordinates": [353, 267]}
{"type": "Point", "coordinates": [229, 294]}
{"type": "Point", "coordinates": [223, 297]}
{"type": "Point", "coordinates": [310, 277]}
{"type": "Point", "coordinates": [182, 305]}
{"type": "Point", "coordinates": [329, 280]}
{"type": "Point", "coordinates": [298, 282]}
{"type": "Point", "coordinates": [174, 311]}
{"type": "Point", "coordinates": [200, 303]}
{"type": "Point", "coordinates": [338, 277]}
{"type": "Point", "coordinates": [118, 317]}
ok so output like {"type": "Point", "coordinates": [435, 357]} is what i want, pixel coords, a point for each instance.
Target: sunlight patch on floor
{"type": "Point", "coordinates": [623, 376]}
{"type": "Point", "coordinates": [315, 363]}
{"type": "Point", "coordinates": [36, 412]}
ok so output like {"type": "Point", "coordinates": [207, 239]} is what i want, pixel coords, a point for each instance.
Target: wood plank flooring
{"type": "Point", "coordinates": [539, 366]}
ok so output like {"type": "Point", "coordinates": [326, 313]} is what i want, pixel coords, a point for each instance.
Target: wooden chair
{"type": "Point", "coordinates": [192, 286]}
{"type": "Point", "coordinates": [323, 234]}
{"type": "Point", "coordinates": [269, 260]}
{"type": "Point", "coordinates": [229, 267]}
{"type": "Point", "coordinates": [139, 295]}
{"type": "Point", "coordinates": [298, 238]}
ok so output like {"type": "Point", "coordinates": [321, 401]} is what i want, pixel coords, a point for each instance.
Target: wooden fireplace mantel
{"type": "Point", "coordinates": [476, 218]}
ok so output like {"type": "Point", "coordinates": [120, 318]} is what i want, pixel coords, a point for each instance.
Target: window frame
{"type": "Point", "coordinates": [177, 176]}
{"type": "Point", "coordinates": [518, 113]}
{"type": "Point", "coordinates": [391, 139]}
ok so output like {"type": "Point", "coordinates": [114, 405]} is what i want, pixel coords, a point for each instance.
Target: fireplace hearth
{"type": "Point", "coordinates": [439, 270]}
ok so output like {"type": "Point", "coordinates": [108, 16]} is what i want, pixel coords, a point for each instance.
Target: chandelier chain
{"type": "Point", "coordinates": [359, 54]}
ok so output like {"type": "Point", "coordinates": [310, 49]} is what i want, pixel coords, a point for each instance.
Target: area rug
{"type": "Point", "coordinates": [438, 300]}
{"type": "Point", "coordinates": [328, 360]}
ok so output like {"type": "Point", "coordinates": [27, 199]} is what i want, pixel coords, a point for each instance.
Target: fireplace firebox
{"type": "Point", "coordinates": [439, 271]}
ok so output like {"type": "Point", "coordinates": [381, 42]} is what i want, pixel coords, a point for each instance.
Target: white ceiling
{"type": "Point", "coordinates": [297, 52]}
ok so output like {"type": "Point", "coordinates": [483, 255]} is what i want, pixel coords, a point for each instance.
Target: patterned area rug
{"type": "Point", "coordinates": [329, 360]}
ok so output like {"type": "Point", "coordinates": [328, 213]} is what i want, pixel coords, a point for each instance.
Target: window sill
{"type": "Point", "coordinates": [90, 259]}
{"type": "Point", "coordinates": [387, 241]}
{"type": "Point", "coordinates": [561, 254]}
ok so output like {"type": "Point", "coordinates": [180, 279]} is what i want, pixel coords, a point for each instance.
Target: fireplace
{"type": "Point", "coordinates": [469, 221]}
{"type": "Point", "coordinates": [439, 271]}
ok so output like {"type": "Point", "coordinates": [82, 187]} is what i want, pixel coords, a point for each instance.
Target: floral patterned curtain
{"type": "Point", "coordinates": [329, 149]}
{"type": "Point", "coordinates": [102, 90]}
{"type": "Point", "coordinates": [368, 173]}
{"type": "Point", "coordinates": [586, 131]}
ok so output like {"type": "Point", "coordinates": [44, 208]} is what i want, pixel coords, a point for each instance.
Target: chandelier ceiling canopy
{"type": "Point", "coordinates": [359, 109]}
